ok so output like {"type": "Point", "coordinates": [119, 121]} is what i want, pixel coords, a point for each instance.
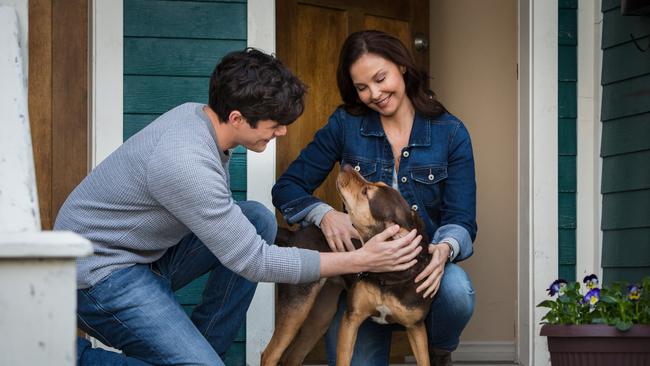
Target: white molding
{"type": "Point", "coordinates": [537, 186]}
{"type": "Point", "coordinates": [485, 351]}
{"type": "Point", "coordinates": [107, 79]}
{"type": "Point", "coordinates": [588, 253]}
{"type": "Point", "coordinates": [18, 195]}
{"type": "Point", "coordinates": [260, 172]}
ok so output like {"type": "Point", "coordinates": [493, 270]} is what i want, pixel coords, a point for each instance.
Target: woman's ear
{"type": "Point", "coordinates": [402, 69]}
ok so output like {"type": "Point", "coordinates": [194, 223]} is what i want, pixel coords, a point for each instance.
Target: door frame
{"type": "Point", "coordinates": [537, 155]}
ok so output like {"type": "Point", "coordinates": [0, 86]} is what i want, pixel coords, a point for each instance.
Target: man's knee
{"type": "Point", "coordinates": [262, 218]}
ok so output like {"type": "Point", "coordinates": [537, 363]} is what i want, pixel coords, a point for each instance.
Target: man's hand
{"type": "Point", "coordinates": [383, 255]}
{"type": "Point", "coordinates": [433, 272]}
{"type": "Point", "coordinates": [338, 230]}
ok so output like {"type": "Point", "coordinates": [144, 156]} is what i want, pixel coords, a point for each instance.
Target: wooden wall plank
{"type": "Point", "coordinates": [626, 248]}
{"type": "Point", "coordinates": [158, 94]}
{"type": "Point", "coordinates": [626, 210]}
{"type": "Point", "coordinates": [180, 19]}
{"type": "Point", "coordinates": [567, 136]}
{"type": "Point", "coordinates": [40, 103]}
{"type": "Point", "coordinates": [568, 4]}
{"type": "Point", "coordinates": [567, 246]}
{"type": "Point", "coordinates": [568, 27]}
{"type": "Point", "coordinates": [70, 114]}
{"type": "Point", "coordinates": [618, 274]}
{"type": "Point", "coordinates": [617, 28]}
{"type": "Point", "coordinates": [626, 172]}
{"type": "Point", "coordinates": [626, 135]}
{"type": "Point", "coordinates": [610, 4]}
{"type": "Point", "coordinates": [626, 98]}
{"type": "Point", "coordinates": [567, 58]}
{"type": "Point", "coordinates": [178, 57]}
{"type": "Point", "coordinates": [567, 100]}
{"type": "Point", "coordinates": [625, 61]}
{"type": "Point", "coordinates": [567, 173]}
{"type": "Point", "coordinates": [133, 123]}
{"type": "Point", "coordinates": [566, 210]}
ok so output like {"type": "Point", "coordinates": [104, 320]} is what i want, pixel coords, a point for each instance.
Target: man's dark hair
{"type": "Point", "coordinates": [257, 85]}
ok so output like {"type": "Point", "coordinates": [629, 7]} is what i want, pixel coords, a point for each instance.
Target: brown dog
{"type": "Point", "coordinates": [305, 311]}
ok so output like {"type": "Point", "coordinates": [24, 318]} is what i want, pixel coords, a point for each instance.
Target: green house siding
{"type": "Point", "coordinates": [567, 114]}
{"type": "Point", "coordinates": [170, 50]}
{"type": "Point", "coordinates": [625, 146]}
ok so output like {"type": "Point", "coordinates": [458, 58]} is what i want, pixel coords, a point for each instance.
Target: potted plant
{"type": "Point", "coordinates": [603, 326]}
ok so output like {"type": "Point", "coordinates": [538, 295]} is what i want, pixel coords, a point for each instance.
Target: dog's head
{"type": "Point", "coordinates": [374, 206]}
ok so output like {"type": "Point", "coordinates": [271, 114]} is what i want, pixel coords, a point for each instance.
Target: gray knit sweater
{"type": "Point", "coordinates": [167, 180]}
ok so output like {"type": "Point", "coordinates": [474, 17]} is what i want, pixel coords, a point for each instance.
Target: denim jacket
{"type": "Point", "coordinates": [436, 172]}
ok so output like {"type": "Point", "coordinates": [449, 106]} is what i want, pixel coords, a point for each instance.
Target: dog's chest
{"type": "Point", "coordinates": [384, 307]}
{"type": "Point", "coordinates": [383, 311]}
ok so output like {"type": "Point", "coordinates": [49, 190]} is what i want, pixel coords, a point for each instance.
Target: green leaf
{"type": "Point", "coordinates": [608, 299]}
{"type": "Point", "coordinates": [598, 321]}
{"type": "Point", "coordinates": [546, 304]}
{"type": "Point", "coordinates": [623, 325]}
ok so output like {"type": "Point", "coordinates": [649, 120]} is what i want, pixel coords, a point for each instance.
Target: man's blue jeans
{"type": "Point", "coordinates": [134, 309]}
{"type": "Point", "coordinates": [450, 312]}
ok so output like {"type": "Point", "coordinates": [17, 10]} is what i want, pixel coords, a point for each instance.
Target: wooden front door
{"type": "Point", "coordinates": [58, 99]}
{"type": "Point", "coordinates": [310, 34]}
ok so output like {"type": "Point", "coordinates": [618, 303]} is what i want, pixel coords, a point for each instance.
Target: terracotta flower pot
{"type": "Point", "coordinates": [597, 345]}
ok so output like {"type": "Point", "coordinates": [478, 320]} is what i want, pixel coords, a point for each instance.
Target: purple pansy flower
{"type": "Point", "coordinates": [591, 281]}
{"type": "Point", "coordinates": [634, 292]}
{"type": "Point", "coordinates": [592, 297]}
{"type": "Point", "coordinates": [556, 286]}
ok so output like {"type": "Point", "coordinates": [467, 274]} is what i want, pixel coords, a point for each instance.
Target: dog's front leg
{"type": "Point", "coordinates": [417, 335]}
{"type": "Point", "coordinates": [348, 336]}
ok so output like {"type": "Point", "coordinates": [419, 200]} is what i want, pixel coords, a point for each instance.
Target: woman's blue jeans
{"type": "Point", "coordinates": [134, 309]}
{"type": "Point", "coordinates": [450, 312]}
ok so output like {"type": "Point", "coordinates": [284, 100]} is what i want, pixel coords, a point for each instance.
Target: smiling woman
{"type": "Point", "coordinates": [386, 104]}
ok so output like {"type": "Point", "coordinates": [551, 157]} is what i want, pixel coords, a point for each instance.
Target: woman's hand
{"type": "Point", "coordinates": [379, 254]}
{"type": "Point", "coordinates": [433, 272]}
{"type": "Point", "coordinates": [338, 230]}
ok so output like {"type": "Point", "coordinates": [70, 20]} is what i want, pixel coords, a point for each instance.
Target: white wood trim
{"type": "Point", "coordinates": [588, 254]}
{"type": "Point", "coordinates": [18, 196]}
{"type": "Point", "coordinates": [485, 351]}
{"type": "Point", "coordinates": [480, 352]}
{"type": "Point", "coordinates": [260, 172]}
{"type": "Point", "coordinates": [107, 79]}
{"type": "Point", "coordinates": [537, 186]}
{"type": "Point", "coordinates": [44, 244]}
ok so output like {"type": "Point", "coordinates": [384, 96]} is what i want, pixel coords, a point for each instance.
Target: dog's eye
{"type": "Point", "coordinates": [364, 190]}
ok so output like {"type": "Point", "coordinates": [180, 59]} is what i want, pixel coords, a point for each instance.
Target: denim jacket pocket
{"type": "Point", "coordinates": [365, 167]}
{"type": "Point", "coordinates": [427, 182]}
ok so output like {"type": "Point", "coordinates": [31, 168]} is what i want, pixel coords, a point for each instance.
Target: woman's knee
{"type": "Point", "coordinates": [262, 218]}
{"type": "Point", "coordinates": [456, 292]}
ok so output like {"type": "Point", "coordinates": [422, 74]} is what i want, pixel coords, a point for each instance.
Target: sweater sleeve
{"type": "Point", "coordinates": [189, 181]}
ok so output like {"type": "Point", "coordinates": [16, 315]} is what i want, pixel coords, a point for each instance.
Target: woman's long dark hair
{"type": "Point", "coordinates": [382, 44]}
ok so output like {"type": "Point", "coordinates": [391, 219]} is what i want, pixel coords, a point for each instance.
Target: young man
{"type": "Point", "coordinates": [159, 213]}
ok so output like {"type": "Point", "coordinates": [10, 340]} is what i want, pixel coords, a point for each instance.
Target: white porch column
{"type": "Point", "coordinates": [38, 297]}
{"type": "Point", "coordinates": [537, 193]}
{"type": "Point", "coordinates": [260, 170]}
{"type": "Point", "coordinates": [37, 269]}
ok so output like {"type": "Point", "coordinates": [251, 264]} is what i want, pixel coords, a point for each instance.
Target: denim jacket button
{"type": "Point", "coordinates": [414, 207]}
{"type": "Point", "coordinates": [405, 154]}
{"type": "Point", "coordinates": [357, 168]}
{"type": "Point", "coordinates": [404, 179]}
{"type": "Point", "coordinates": [431, 177]}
